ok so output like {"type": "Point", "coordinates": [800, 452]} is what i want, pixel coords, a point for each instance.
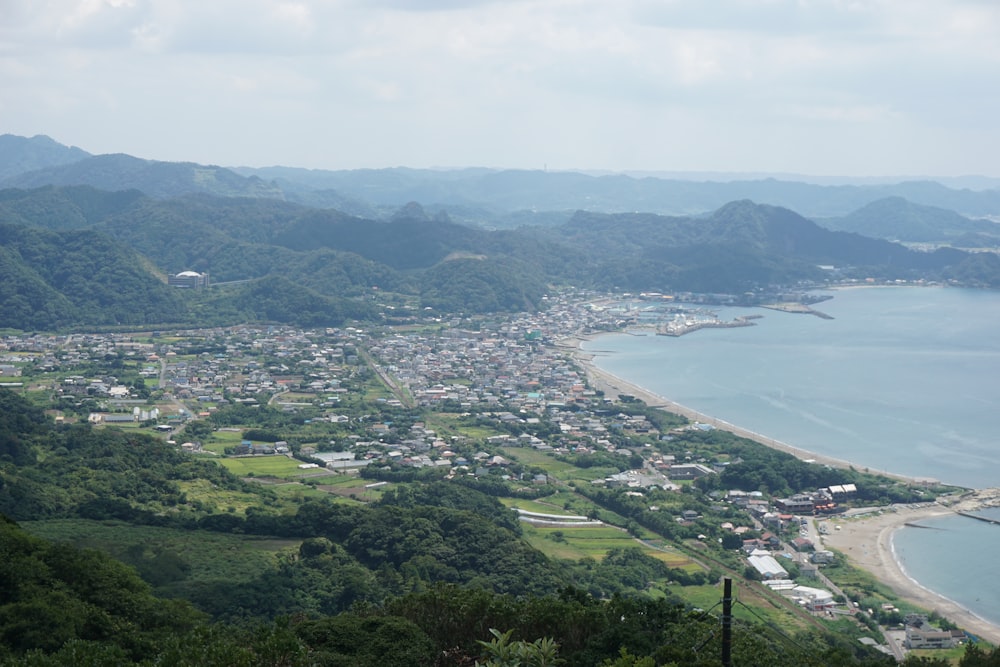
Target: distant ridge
{"type": "Point", "coordinates": [526, 190]}
{"type": "Point", "coordinates": [487, 197]}
{"type": "Point", "coordinates": [896, 219]}
{"type": "Point", "coordinates": [21, 154]}
{"type": "Point", "coordinates": [156, 179]}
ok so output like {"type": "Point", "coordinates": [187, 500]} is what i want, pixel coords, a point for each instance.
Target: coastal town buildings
{"type": "Point", "coordinates": [513, 375]}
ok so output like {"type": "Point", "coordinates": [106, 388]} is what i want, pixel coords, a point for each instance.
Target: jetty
{"type": "Point", "coordinates": [796, 307]}
{"type": "Point", "coordinates": [995, 522]}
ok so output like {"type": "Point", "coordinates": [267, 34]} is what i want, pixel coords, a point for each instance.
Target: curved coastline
{"type": "Point", "coordinates": [868, 543]}
{"type": "Point", "coordinates": [611, 384]}
{"type": "Point", "coordinates": [858, 534]}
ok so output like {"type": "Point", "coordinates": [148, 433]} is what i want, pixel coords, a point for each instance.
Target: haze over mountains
{"type": "Point", "coordinates": [318, 247]}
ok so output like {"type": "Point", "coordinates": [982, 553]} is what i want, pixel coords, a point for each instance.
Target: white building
{"type": "Point", "coordinates": [814, 599]}
{"type": "Point", "coordinates": [767, 566]}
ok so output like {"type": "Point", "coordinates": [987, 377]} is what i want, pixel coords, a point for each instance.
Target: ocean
{"type": "Point", "coordinates": [902, 379]}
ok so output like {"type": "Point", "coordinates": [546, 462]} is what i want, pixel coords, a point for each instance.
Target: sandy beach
{"type": "Point", "coordinates": [866, 541]}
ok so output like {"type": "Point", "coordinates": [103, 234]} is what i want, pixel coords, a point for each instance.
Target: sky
{"type": "Point", "coordinates": [823, 87]}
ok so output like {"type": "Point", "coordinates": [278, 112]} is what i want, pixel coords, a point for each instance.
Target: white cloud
{"type": "Point", "coordinates": [780, 85]}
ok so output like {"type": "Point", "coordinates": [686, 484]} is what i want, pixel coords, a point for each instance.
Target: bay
{"type": "Point", "coordinates": [903, 379]}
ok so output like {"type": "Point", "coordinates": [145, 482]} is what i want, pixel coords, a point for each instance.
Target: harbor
{"type": "Point", "coordinates": [681, 326]}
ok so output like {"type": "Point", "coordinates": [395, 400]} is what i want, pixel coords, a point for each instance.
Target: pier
{"type": "Point", "coordinates": [995, 522]}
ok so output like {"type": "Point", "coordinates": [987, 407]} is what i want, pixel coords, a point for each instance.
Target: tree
{"type": "Point", "coordinates": [351, 640]}
{"type": "Point", "coordinates": [502, 652]}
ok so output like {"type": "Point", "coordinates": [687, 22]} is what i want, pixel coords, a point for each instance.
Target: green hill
{"type": "Point", "coordinates": [154, 178]}
{"type": "Point", "coordinates": [77, 278]}
{"type": "Point", "coordinates": [22, 154]}
{"type": "Point", "coordinates": [81, 256]}
{"type": "Point", "coordinates": [897, 219]}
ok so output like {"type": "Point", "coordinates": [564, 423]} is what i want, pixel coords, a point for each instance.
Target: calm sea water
{"type": "Point", "coordinates": [957, 560]}
{"type": "Point", "coordinates": [905, 380]}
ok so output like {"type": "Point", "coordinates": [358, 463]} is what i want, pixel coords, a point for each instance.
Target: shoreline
{"type": "Point", "coordinates": [856, 536]}
{"type": "Point", "coordinates": [868, 543]}
{"type": "Point", "coordinates": [612, 385]}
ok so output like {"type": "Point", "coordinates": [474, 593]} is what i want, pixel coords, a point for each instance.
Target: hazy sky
{"type": "Point", "coordinates": [842, 87]}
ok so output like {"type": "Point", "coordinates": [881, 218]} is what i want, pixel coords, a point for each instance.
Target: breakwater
{"type": "Point", "coordinates": [977, 517]}
{"type": "Point", "coordinates": [796, 307]}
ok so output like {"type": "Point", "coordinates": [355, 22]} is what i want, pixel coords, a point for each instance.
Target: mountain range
{"type": "Point", "coordinates": [88, 240]}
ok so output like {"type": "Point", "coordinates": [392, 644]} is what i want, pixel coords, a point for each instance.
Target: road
{"type": "Point", "coordinates": [181, 408]}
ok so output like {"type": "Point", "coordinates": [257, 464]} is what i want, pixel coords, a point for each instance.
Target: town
{"type": "Point", "coordinates": [505, 402]}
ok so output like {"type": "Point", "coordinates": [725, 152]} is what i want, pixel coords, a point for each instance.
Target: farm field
{"type": "Point", "coordinates": [594, 542]}
{"type": "Point", "coordinates": [264, 466]}
{"type": "Point", "coordinates": [220, 439]}
{"type": "Point", "coordinates": [211, 496]}
{"type": "Point", "coordinates": [561, 470]}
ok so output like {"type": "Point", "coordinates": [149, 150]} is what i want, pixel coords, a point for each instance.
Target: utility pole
{"type": "Point", "coordinates": [727, 622]}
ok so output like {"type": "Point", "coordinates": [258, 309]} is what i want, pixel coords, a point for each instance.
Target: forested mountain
{"type": "Point", "coordinates": [78, 255]}
{"type": "Point", "coordinates": [744, 246]}
{"type": "Point", "coordinates": [114, 226]}
{"type": "Point", "coordinates": [897, 219]}
{"type": "Point", "coordinates": [51, 279]}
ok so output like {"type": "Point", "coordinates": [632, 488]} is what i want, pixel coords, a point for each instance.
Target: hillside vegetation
{"type": "Point", "coordinates": [78, 256]}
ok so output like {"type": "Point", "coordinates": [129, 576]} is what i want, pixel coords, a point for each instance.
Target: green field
{"type": "Point", "coordinates": [296, 397]}
{"type": "Point", "coordinates": [217, 499]}
{"type": "Point", "coordinates": [564, 501]}
{"type": "Point", "coordinates": [576, 543]}
{"type": "Point", "coordinates": [263, 466]}
{"type": "Point", "coordinates": [559, 469]}
{"type": "Point", "coordinates": [751, 603]}
{"type": "Point", "coordinates": [219, 440]}
{"type": "Point", "coordinates": [352, 486]}
{"type": "Point", "coordinates": [595, 542]}
{"type": "Point", "coordinates": [546, 505]}
{"type": "Point", "coordinates": [295, 493]}
{"type": "Point", "coordinates": [447, 424]}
